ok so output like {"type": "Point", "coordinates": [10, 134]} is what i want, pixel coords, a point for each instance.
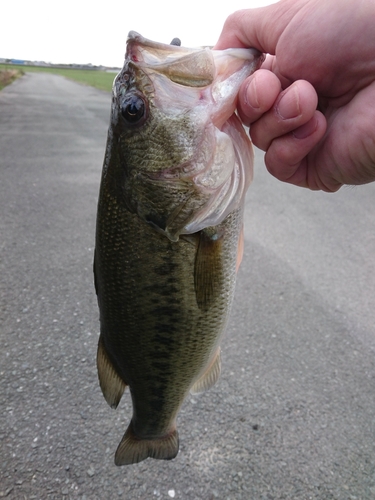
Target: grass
{"type": "Point", "coordinates": [7, 76]}
{"type": "Point", "coordinates": [99, 79]}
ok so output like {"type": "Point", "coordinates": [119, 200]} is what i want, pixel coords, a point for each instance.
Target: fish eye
{"type": "Point", "coordinates": [134, 110]}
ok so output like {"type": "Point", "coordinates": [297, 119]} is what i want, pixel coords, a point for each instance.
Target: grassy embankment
{"type": "Point", "coordinates": [99, 79]}
{"type": "Point", "coordinates": [8, 75]}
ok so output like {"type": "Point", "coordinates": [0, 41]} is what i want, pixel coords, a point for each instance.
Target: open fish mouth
{"type": "Point", "coordinates": [188, 88]}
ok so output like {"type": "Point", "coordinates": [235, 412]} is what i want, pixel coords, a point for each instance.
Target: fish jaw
{"type": "Point", "coordinates": [233, 66]}
{"type": "Point", "coordinates": [233, 148]}
{"type": "Point", "coordinates": [192, 67]}
{"type": "Point", "coordinates": [216, 75]}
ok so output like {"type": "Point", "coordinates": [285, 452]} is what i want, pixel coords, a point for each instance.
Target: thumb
{"type": "Point", "coordinates": [259, 28]}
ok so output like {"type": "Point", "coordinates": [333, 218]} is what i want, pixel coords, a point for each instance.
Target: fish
{"type": "Point", "coordinates": [169, 239]}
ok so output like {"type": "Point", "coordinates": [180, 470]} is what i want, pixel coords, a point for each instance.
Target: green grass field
{"type": "Point", "coordinates": [99, 79]}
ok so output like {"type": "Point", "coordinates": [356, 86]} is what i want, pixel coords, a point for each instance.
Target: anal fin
{"type": "Point", "coordinates": [209, 377]}
{"type": "Point", "coordinates": [132, 449]}
{"type": "Point", "coordinates": [111, 384]}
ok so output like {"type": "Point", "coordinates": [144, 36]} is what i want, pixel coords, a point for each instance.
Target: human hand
{"type": "Point", "coordinates": [321, 56]}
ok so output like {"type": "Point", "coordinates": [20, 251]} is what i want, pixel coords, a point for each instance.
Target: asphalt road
{"type": "Point", "coordinates": [293, 416]}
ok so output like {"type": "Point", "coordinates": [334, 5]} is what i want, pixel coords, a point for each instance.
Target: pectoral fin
{"type": "Point", "coordinates": [210, 376]}
{"type": "Point", "coordinates": [208, 268]}
{"type": "Point", "coordinates": [240, 250]}
{"type": "Point", "coordinates": [111, 384]}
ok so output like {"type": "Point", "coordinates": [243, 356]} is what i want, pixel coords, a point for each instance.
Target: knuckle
{"type": "Point", "coordinates": [259, 139]}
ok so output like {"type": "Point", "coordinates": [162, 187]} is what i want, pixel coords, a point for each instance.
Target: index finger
{"type": "Point", "coordinates": [259, 28]}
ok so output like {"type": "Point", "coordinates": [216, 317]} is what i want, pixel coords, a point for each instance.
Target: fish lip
{"type": "Point", "coordinates": [195, 67]}
{"type": "Point", "coordinates": [134, 36]}
{"type": "Point", "coordinates": [167, 60]}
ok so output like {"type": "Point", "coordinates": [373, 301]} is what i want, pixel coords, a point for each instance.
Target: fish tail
{"type": "Point", "coordinates": [132, 449]}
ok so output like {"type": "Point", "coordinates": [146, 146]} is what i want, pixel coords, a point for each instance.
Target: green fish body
{"type": "Point", "coordinates": [168, 238]}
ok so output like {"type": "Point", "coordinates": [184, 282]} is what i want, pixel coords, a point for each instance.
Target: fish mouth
{"type": "Point", "coordinates": [214, 75]}
{"type": "Point", "coordinates": [194, 92]}
{"type": "Point", "coordinates": [191, 67]}
{"type": "Point", "coordinates": [187, 66]}
{"type": "Point", "coordinates": [137, 37]}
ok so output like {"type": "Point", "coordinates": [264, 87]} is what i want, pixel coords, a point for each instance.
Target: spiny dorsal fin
{"type": "Point", "coordinates": [210, 376]}
{"type": "Point", "coordinates": [111, 384]}
{"type": "Point", "coordinates": [132, 449]}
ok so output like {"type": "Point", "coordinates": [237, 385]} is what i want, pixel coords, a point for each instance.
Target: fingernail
{"type": "Point", "coordinates": [288, 106]}
{"type": "Point", "coordinates": [305, 130]}
{"type": "Point", "coordinates": [251, 94]}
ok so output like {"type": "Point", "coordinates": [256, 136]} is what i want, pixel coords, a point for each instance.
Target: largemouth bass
{"type": "Point", "coordinates": [168, 240]}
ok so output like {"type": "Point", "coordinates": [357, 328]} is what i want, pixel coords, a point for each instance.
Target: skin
{"type": "Point", "coordinates": [311, 106]}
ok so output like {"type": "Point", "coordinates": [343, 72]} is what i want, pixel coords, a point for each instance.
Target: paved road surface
{"type": "Point", "coordinates": [293, 416]}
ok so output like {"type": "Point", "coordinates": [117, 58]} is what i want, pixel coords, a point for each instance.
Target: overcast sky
{"type": "Point", "coordinates": [81, 31]}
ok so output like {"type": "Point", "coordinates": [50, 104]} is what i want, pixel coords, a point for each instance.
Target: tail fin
{"type": "Point", "coordinates": [132, 449]}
